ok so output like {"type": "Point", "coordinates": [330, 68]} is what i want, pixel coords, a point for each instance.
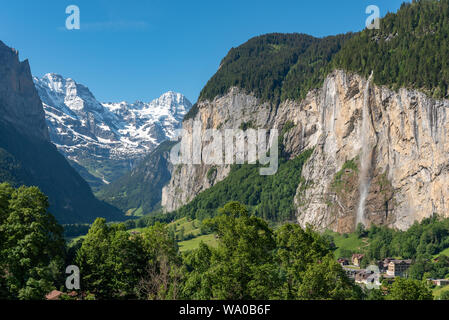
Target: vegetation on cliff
{"type": "Point", "coordinates": [275, 67]}
{"type": "Point", "coordinates": [269, 197]}
{"type": "Point", "coordinates": [409, 50]}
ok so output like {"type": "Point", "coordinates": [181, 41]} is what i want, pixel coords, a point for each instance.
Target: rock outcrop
{"type": "Point", "coordinates": [401, 134]}
{"type": "Point", "coordinates": [27, 157]}
{"type": "Point", "coordinates": [20, 105]}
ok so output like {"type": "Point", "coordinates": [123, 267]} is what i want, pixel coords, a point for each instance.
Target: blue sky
{"type": "Point", "coordinates": [138, 49]}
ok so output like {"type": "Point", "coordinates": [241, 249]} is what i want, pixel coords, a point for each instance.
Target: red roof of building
{"type": "Point", "coordinates": [54, 295]}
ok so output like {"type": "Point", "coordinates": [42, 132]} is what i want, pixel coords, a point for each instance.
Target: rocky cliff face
{"type": "Point", "coordinates": [404, 145]}
{"type": "Point", "coordinates": [231, 111]}
{"type": "Point", "coordinates": [20, 105]}
{"type": "Point", "coordinates": [27, 157]}
{"type": "Point", "coordinates": [379, 156]}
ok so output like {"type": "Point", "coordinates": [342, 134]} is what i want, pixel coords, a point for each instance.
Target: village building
{"type": "Point", "coordinates": [343, 262]}
{"type": "Point", "coordinates": [350, 272]}
{"type": "Point", "coordinates": [54, 295]}
{"type": "Point", "coordinates": [398, 268]}
{"type": "Point", "coordinates": [357, 259]}
{"type": "Point", "coordinates": [439, 282]}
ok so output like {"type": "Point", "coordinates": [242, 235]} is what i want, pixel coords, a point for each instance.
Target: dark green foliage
{"type": "Point", "coordinates": [31, 244]}
{"type": "Point", "coordinates": [75, 230]}
{"type": "Point", "coordinates": [269, 197]}
{"type": "Point", "coordinates": [274, 67]}
{"type": "Point", "coordinates": [253, 262]}
{"type": "Point", "coordinates": [422, 239]}
{"type": "Point", "coordinates": [140, 191]}
{"type": "Point", "coordinates": [25, 160]}
{"type": "Point", "coordinates": [408, 289]}
{"type": "Point", "coordinates": [409, 50]}
{"type": "Point", "coordinates": [150, 220]}
{"type": "Point", "coordinates": [308, 269]}
{"type": "Point", "coordinates": [115, 264]}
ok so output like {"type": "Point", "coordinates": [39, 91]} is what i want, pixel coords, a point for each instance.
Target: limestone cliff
{"type": "Point", "coordinates": [20, 105]}
{"type": "Point", "coordinates": [393, 144]}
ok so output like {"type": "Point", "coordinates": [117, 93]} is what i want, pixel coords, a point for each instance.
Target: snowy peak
{"type": "Point", "coordinates": [60, 90]}
{"type": "Point", "coordinates": [82, 127]}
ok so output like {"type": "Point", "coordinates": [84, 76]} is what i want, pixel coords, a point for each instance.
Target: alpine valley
{"type": "Point", "coordinates": [103, 141]}
{"type": "Point", "coordinates": [363, 175]}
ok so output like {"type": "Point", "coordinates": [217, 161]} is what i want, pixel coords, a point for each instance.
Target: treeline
{"type": "Point", "coordinates": [422, 243]}
{"type": "Point", "coordinates": [251, 260]}
{"type": "Point", "coordinates": [409, 50]}
{"type": "Point", "coordinates": [275, 67]}
{"type": "Point", "coordinates": [268, 197]}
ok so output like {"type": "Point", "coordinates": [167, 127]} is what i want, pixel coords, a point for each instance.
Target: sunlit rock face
{"type": "Point", "coordinates": [404, 136]}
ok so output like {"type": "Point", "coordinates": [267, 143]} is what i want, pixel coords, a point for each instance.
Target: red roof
{"type": "Point", "coordinates": [54, 295]}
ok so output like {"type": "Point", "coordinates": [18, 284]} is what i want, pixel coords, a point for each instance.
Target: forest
{"type": "Point", "coordinates": [251, 260]}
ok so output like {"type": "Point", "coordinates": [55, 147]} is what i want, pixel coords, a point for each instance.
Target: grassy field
{"type": "Point", "coordinates": [346, 242]}
{"type": "Point", "coordinates": [445, 252]}
{"type": "Point", "coordinates": [184, 228]}
{"type": "Point", "coordinates": [194, 243]}
{"type": "Point", "coordinates": [437, 291]}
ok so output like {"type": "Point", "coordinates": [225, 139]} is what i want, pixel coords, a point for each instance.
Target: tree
{"type": "Point", "coordinates": [360, 230]}
{"type": "Point", "coordinates": [162, 277]}
{"type": "Point", "coordinates": [116, 264]}
{"type": "Point", "coordinates": [296, 249]}
{"type": "Point", "coordinates": [32, 248]}
{"type": "Point", "coordinates": [242, 265]}
{"type": "Point", "coordinates": [326, 280]}
{"type": "Point", "coordinates": [409, 289]}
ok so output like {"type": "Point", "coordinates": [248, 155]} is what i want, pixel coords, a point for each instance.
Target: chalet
{"type": "Point", "coordinates": [398, 268]}
{"type": "Point", "coordinates": [383, 264]}
{"type": "Point", "coordinates": [343, 262]}
{"type": "Point", "coordinates": [357, 259]}
{"type": "Point", "coordinates": [439, 282]}
{"type": "Point", "coordinates": [350, 272]}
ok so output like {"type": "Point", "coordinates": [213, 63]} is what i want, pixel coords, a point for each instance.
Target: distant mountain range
{"type": "Point", "coordinates": [27, 156]}
{"type": "Point", "coordinates": [103, 141]}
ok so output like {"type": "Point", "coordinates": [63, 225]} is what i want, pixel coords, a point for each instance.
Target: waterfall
{"type": "Point", "coordinates": [365, 160]}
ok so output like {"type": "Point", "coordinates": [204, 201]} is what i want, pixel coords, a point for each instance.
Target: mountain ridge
{"type": "Point", "coordinates": [27, 157]}
{"type": "Point", "coordinates": [329, 119]}
{"type": "Point", "coordinates": [105, 140]}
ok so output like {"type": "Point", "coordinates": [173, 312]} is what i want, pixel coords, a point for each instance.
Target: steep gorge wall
{"type": "Point", "coordinates": [20, 105]}
{"type": "Point", "coordinates": [404, 136]}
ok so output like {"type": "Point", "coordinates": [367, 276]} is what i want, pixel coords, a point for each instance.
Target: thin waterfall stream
{"type": "Point", "coordinates": [365, 160]}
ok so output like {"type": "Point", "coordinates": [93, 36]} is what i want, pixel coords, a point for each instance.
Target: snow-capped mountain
{"type": "Point", "coordinates": [98, 137]}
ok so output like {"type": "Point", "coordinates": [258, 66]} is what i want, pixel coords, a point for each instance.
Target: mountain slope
{"type": "Point", "coordinates": [28, 157]}
{"type": "Point", "coordinates": [380, 156]}
{"type": "Point", "coordinates": [409, 50]}
{"type": "Point", "coordinates": [105, 140]}
{"type": "Point", "coordinates": [139, 191]}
